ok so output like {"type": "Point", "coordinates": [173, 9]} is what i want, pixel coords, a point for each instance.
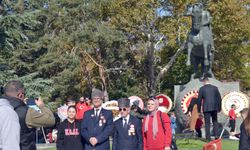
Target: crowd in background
{"type": "Point", "coordinates": [86, 125]}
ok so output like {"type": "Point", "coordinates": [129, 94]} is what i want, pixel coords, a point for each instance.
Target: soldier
{"type": "Point", "coordinates": [97, 124]}
{"type": "Point", "coordinates": [127, 129]}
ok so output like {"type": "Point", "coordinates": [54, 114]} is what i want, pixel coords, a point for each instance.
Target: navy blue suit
{"type": "Point", "coordinates": [122, 140]}
{"type": "Point", "coordinates": [91, 127]}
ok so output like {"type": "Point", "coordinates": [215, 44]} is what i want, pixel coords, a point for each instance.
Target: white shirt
{"type": "Point", "coordinates": [127, 119]}
{"type": "Point", "coordinates": [98, 113]}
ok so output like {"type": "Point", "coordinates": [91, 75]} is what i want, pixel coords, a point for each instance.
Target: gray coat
{"type": "Point", "coordinates": [9, 127]}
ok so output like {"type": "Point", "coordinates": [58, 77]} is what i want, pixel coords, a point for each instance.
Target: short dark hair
{"type": "Point", "coordinates": [13, 86]}
{"type": "Point", "coordinates": [233, 105]}
{"type": "Point", "coordinates": [205, 78]}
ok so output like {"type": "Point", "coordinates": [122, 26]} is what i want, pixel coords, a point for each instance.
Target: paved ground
{"type": "Point", "coordinates": [46, 146]}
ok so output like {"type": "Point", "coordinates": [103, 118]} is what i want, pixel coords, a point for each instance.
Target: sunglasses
{"type": "Point", "coordinates": [122, 109]}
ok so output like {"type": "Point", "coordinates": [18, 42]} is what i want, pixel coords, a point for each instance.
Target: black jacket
{"type": "Point", "coordinates": [69, 136]}
{"type": "Point", "coordinates": [123, 140]}
{"type": "Point", "coordinates": [211, 98]}
{"type": "Point", "coordinates": [244, 139]}
{"type": "Point", "coordinates": [28, 135]}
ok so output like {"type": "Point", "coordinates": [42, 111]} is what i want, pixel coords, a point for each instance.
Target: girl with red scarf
{"type": "Point", "coordinates": [156, 128]}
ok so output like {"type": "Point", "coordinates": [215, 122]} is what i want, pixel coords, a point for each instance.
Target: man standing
{"type": "Point", "coordinates": [97, 124]}
{"type": "Point", "coordinates": [9, 127]}
{"type": "Point", "coordinates": [29, 118]}
{"type": "Point", "coordinates": [127, 129]}
{"type": "Point", "coordinates": [81, 107]}
{"type": "Point", "coordinates": [210, 97]}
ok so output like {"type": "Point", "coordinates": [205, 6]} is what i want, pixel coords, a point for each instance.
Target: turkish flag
{"type": "Point", "coordinates": [213, 145]}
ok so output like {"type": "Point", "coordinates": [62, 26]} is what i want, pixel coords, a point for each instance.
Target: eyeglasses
{"type": "Point", "coordinates": [122, 109]}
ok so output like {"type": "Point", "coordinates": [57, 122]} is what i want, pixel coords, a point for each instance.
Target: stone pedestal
{"type": "Point", "coordinates": [184, 92]}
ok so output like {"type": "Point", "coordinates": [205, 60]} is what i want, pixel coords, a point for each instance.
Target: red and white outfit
{"type": "Point", "coordinates": [232, 118]}
{"type": "Point", "coordinates": [81, 108]}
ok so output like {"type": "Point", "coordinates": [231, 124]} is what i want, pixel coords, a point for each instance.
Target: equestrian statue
{"type": "Point", "coordinates": [200, 44]}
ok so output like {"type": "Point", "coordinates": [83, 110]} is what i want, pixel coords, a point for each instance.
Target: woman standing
{"type": "Point", "coordinates": [245, 131]}
{"type": "Point", "coordinates": [68, 136]}
{"type": "Point", "coordinates": [156, 128]}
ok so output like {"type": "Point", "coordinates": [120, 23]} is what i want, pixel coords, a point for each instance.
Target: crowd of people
{"type": "Point", "coordinates": [87, 125]}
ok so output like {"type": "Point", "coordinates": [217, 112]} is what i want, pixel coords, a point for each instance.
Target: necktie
{"type": "Point", "coordinates": [96, 112]}
{"type": "Point", "coordinates": [125, 123]}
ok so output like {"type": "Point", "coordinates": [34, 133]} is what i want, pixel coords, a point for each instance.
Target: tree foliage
{"type": "Point", "coordinates": [63, 48]}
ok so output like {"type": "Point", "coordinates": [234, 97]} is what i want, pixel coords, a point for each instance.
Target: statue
{"type": "Point", "coordinates": [200, 40]}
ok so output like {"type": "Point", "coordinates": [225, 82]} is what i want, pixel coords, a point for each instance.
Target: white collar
{"type": "Point", "coordinates": [99, 108]}
{"type": "Point", "coordinates": [127, 118]}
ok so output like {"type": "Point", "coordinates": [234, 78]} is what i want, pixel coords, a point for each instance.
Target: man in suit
{"type": "Point", "coordinates": [210, 99]}
{"type": "Point", "coordinates": [97, 124]}
{"type": "Point", "coordinates": [127, 129]}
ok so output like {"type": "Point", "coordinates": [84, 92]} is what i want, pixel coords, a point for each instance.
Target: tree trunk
{"type": "Point", "coordinates": [87, 73]}
{"type": "Point", "coordinates": [169, 64]}
{"type": "Point", "coordinates": [151, 68]}
{"type": "Point", "coordinates": [102, 77]}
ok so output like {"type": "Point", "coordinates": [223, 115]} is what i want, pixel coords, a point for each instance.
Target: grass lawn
{"type": "Point", "coordinates": [191, 144]}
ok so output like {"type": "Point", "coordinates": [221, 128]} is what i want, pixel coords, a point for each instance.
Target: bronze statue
{"type": "Point", "coordinates": [200, 40]}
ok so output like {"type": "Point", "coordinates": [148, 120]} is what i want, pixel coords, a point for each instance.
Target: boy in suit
{"type": "Point", "coordinates": [127, 129]}
{"type": "Point", "coordinates": [97, 124]}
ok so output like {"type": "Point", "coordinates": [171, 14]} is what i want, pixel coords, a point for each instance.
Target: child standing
{"type": "Point", "coordinates": [232, 118]}
{"type": "Point", "coordinates": [173, 123]}
{"type": "Point", "coordinates": [198, 125]}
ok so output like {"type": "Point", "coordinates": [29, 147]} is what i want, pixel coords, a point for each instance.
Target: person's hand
{"type": "Point", "coordinates": [93, 141]}
{"type": "Point", "coordinates": [167, 148]}
{"type": "Point", "coordinates": [39, 102]}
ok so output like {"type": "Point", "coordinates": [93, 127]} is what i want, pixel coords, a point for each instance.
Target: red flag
{"type": "Point", "coordinates": [213, 145]}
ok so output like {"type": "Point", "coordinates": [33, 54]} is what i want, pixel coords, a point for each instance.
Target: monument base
{"type": "Point", "coordinates": [184, 94]}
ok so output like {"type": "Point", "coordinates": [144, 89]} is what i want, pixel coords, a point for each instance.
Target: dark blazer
{"type": "Point", "coordinates": [91, 127]}
{"type": "Point", "coordinates": [244, 139]}
{"type": "Point", "coordinates": [122, 140]}
{"type": "Point", "coordinates": [211, 98]}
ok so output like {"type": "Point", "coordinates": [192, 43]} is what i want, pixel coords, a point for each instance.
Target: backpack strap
{"type": "Point", "coordinates": [162, 123]}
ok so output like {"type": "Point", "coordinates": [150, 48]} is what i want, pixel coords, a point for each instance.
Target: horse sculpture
{"type": "Point", "coordinates": [200, 40]}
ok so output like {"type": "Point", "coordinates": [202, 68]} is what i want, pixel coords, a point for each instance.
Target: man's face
{"type": "Point", "coordinates": [81, 99]}
{"type": "Point", "coordinates": [124, 111]}
{"type": "Point", "coordinates": [21, 95]}
{"type": "Point", "coordinates": [97, 101]}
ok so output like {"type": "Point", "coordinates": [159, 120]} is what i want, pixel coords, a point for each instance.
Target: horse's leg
{"type": "Point", "coordinates": [195, 63]}
{"type": "Point", "coordinates": [205, 47]}
{"type": "Point", "coordinates": [211, 56]}
{"type": "Point", "coordinates": [190, 47]}
{"type": "Point", "coordinates": [206, 62]}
